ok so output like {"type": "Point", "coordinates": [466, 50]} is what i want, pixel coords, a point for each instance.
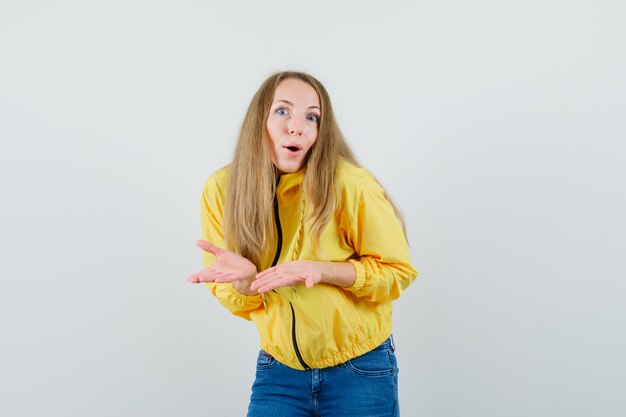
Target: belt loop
{"type": "Point", "coordinates": [393, 345]}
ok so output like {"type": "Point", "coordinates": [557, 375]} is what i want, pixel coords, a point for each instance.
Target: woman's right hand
{"type": "Point", "coordinates": [228, 267]}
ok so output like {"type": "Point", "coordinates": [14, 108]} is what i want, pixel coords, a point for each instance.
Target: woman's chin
{"type": "Point", "coordinates": [288, 168]}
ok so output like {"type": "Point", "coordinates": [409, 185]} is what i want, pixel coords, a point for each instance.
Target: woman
{"type": "Point", "coordinates": [302, 241]}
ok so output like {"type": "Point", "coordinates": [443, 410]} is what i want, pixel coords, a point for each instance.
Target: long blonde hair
{"type": "Point", "coordinates": [249, 216]}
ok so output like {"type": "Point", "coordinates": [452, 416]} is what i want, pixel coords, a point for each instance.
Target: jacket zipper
{"type": "Point", "coordinates": [293, 338]}
{"type": "Point", "coordinates": [279, 248]}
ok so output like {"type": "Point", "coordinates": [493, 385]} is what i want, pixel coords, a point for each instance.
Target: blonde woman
{"type": "Point", "coordinates": [300, 239]}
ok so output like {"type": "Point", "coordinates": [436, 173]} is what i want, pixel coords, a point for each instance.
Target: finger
{"type": "Point", "coordinates": [208, 276]}
{"type": "Point", "coordinates": [278, 283]}
{"type": "Point", "coordinates": [199, 278]}
{"type": "Point", "coordinates": [205, 278]}
{"type": "Point", "coordinates": [267, 287]}
{"type": "Point", "coordinates": [270, 287]}
{"type": "Point", "coordinates": [266, 272]}
{"type": "Point", "coordinates": [208, 247]}
{"type": "Point", "coordinates": [259, 282]}
{"type": "Point", "coordinates": [226, 277]}
{"type": "Point", "coordinates": [267, 275]}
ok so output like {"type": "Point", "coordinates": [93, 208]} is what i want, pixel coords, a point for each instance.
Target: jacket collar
{"type": "Point", "coordinates": [289, 184]}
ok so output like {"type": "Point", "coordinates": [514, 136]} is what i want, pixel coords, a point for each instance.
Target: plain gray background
{"type": "Point", "coordinates": [499, 127]}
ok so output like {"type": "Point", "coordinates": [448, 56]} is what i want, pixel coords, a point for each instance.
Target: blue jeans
{"type": "Point", "coordinates": [366, 386]}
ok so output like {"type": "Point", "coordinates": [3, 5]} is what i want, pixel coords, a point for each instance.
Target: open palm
{"type": "Point", "coordinates": [228, 266]}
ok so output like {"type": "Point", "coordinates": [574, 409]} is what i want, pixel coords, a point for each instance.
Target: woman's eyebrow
{"type": "Point", "coordinates": [283, 101]}
{"type": "Point", "coordinates": [291, 104]}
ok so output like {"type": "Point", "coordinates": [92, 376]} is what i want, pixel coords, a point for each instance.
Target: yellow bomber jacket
{"type": "Point", "coordinates": [325, 325]}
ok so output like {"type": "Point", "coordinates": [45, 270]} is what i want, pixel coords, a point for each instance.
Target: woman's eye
{"type": "Point", "coordinates": [282, 112]}
{"type": "Point", "coordinates": [312, 118]}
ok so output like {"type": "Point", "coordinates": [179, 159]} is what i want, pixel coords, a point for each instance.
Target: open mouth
{"type": "Point", "coordinates": [293, 147]}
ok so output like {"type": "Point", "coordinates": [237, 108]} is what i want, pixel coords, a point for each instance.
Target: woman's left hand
{"type": "Point", "coordinates": [288, 274]}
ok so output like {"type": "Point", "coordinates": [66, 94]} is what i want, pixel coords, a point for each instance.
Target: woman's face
{"type": "Point", "coordinates": [292, 124]}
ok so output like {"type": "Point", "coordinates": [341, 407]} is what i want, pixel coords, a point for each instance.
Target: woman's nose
{"type": "Point", "coordinates": [295, 126]}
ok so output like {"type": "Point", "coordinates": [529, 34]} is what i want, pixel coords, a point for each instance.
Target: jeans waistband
{"type": "Point", "coordinates": [387, 344]}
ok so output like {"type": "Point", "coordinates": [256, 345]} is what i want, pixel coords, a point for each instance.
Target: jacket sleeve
{"type": "Point", "coordinates": [382, 263]}
{"type": "Point", "coordinates": [211, 218]}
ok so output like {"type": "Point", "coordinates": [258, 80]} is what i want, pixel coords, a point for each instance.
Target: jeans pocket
{"type": "Point", "coordinates": [265, 361]}
{"type": "Point", "coordinates": [378, 362]}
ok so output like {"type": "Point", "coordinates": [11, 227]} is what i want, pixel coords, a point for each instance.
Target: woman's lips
{"type": "Point", "coordinates": [292, 150]}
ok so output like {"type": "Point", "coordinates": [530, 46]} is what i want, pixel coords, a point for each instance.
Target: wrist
{"type": "Point", "coordinates": [341, 274]}
{"type": "Point", "coordinates": [243, 287]}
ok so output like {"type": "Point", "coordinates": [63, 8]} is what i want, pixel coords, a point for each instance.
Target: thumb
{"type": "Point", "coordinates": [208, 247]}
{"type": "Point", "coordinates": [308, 281]}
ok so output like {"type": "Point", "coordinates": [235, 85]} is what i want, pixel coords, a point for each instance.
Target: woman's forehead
{"type": "Point", "coordinates": [296, 92]}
